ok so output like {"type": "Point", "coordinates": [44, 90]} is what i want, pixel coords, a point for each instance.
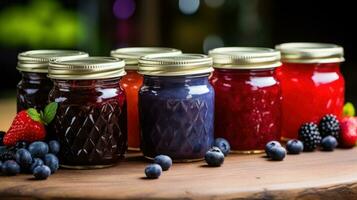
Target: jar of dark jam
{"type": "Point", "coordinates": [33, 89]}
{"type": "Point", "coordinates": [90, 123]}
{"type": "Point", "coordinates": [176, 106]}
{"type": "Point", "coordinates": [132, 82]}
{"type": "Point", "coordinates": [248, 97]}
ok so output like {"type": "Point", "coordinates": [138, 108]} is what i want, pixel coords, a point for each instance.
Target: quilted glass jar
{"type": "Point", "coordinates": [176, 106]}
{"type": "Point", "coordinates": [312, 84]}
{"type": "Point", "coordinates": [248, 97]}
{"type": "Point", "coordinates": [132, 82]}
{"type": "Point", "coordinates": [90, 123]}
{"type": "Point", "coordinates": [33, 89]}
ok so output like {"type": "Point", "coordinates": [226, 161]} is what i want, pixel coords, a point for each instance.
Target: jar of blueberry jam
{"type": "Point", "coordinates": [176, 106]}
{"type": "Point", "coordinates": [90, 123]}
{"type": "Point", "coordinates": [132, 82]}
{"type": "Point", "coordinates": [248, 97]}
{"type": "Point", "coordinates": [312, 84]}
{"type": "Point", "coordinates": [33, 89]}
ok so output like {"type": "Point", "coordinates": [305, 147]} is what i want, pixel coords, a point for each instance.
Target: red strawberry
{"type": "Point", "coordinates": [29, 125]}
{"type": "Point", "coordinates": [348, 137]}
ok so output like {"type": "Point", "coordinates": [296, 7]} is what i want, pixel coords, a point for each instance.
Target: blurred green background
{"type": "Point", "coordinates": [98, 26]}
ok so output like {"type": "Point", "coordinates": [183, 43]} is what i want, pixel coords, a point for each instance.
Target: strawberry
{"type": "Point", "coordinates": [29, 125]}
{"type": "Point", "coordinates": [348, 137]}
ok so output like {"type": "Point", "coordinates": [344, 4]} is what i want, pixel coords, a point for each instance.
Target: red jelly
{"type": "Point", "coordinates": [248, 97]}
{"type": "Point", "coordinates": [312, 84]}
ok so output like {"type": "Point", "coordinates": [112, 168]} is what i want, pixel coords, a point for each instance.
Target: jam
{"type": "Point", "coordinates": [248, 95]}
{"type": "Point", "coordinates": [90, 123]}
{"type": "Point", "coordinates": [176, 107]}
{"type": "Point", "coordinates": [312, 86]}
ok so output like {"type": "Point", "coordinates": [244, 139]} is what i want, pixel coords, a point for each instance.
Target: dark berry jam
{"type": "Point", "coordinates": [90, 122]}
{"type": "Point", "coordinates": [32, 91]}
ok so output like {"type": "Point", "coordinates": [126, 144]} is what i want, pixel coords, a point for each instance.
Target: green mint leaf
{"type": "Point", "coordinates": [349, 110]}
{"type": "Point", "coordinates": [34, 114]}
{"type": "Point", "coordinates": [49, 112]}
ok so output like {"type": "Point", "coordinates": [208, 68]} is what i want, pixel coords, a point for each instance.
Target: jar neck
{"type": "Point", "coordinates": [86, 84]}
{"type": "Point", "coordinates": [313, 67]}
{"type": "Point", "coordinates": [35, 78]}
{"type": "Point", "coordinates": [176, 80]}
{"type": "Point", "coordinates": [245, 72]}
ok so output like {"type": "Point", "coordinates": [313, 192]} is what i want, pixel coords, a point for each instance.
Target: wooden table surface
{"type": "Point", "coordinates": [317, 175]}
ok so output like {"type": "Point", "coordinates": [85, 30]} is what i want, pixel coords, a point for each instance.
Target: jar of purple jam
{"type": "Point", "coordinates": [90, 123]}
{"type": "Point", "coordinates": [33, 89]}
{"type": "Point", "coordinates": [176, 106]}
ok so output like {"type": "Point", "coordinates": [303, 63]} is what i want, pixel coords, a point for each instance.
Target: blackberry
{"type": "Point", "coordinates": [310, 136]}
{"type": "Point", "coordinates": [7, 155]}
{"type": "Point", "coordinates": [20, 145]}
{"type": "Point", "coordinates": [329, 125]}
{"type": "Point", "coordinates": [2, 134]}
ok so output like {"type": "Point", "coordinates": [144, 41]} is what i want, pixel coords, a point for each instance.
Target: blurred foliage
{"type": "Point", "coordinates": [40, 24]}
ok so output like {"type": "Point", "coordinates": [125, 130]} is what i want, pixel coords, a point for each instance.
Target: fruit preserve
{"type": "Point", "coordinates": [90, 123]}
{"type": "Point", "coordinates": [312, 84]}
{"type": "Point", "coordinates": [33, 89]}
{"type": "Point", "coordinates": [132, 82]}
{"type": "Point", "coordinates": [176, 106]}
{"type": "Point", "coordinates": [248, 97]}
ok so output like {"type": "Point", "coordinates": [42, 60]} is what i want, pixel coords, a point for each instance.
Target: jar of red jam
{"type": "Point", "coordinates": [248, 97]}
{"type": "Point", "coordinates": [176, 106]}
{"type": "Point", "coordinates": [90, 123]}
{"type": "Point", "coordinates": [33, 89]}
{"type": "Point", "coordinates": [312, 84]}
{"type": "Point", "coordinates": [132, 82]}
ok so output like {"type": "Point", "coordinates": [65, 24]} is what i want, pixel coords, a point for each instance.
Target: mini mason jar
{"type": "Point", "coordinates": [132, 82]}
{"type": "Point", "coordinates": [312, 84]}
{"type": "Point", "coordinates": [33, 89]}
{"type": "Point", "coordinates": [90, 123]}
{"type": "Point", "coordinates": [176, 106]}
{"type": "Point", "coordinates": [248, 97]}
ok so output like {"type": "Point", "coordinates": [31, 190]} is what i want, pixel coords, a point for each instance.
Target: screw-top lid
{"type": "Point", "coordinates": [302, 52]}
{"type": "Point", "coordinates": [179, 65]}
{"type": "Point", "coordinates": [245, 58]}
{"type": "Point", "coordinates": [38, 60]}
{"type": "Point", "coordinates": [131, 55]}
{"type": "Point", "coordinates": [86, 68]}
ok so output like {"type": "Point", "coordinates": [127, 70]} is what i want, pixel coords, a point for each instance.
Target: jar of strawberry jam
{"type": "Point", "coordinates": [132, 82]}
{"type": "Point", "coordinates": [312, 84]}
{"type": "Point", "coordinates": [248, 97]}
{"type": "Point", "coordinates": [176, 106]}
{"type": "Point", "coordinates": [90, 123]}
{"type": "Point", "coordinates": [33, 89]}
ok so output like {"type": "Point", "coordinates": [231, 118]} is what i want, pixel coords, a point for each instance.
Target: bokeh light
{"type": "Point", "coordinates": [124, 9]}
{"type": "Point", "coordinates": [189, 7]}
{"type": "Point", "coordinates": [211, 42]}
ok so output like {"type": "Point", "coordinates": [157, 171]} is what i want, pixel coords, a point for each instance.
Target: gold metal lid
{"type": "Point", "coordinates": [179, 65]}
{"type": "Point", "coordinates": [302, 52]}
{"type": "Point", "coordinates": [131, 55]}
{"type": "Point", "coordinates": [86, 68]}
{"type": "Point", "coordinates": [245, 58]}
{"type": "Point", "coordinates": [38, 60]}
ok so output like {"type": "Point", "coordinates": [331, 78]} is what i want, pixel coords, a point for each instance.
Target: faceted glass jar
{"type": "Point", "coordinates": [248, 107]}
{"type": "Point", "coordinates": [32, 91]}
{"type": "Point", "coordinates": [310, 90]}
{"type": "Point", "coordinates": [90, 122]}
{"type": "Point", "coordinates": [176, 116]}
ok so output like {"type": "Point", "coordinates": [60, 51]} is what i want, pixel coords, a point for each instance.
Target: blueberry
{"type": "Point", "coordinates": [153, 171]}
{"type": "Point", "coordinates": [54, 147]}
{"type": "Point", "coordinates": [223, 145]}
{"type": "Point", "coordinates": [35, 163]}
{"type": "Point", "coordinates": [10, 168]}
{"type": "Point", "coordinates": [0, 165]}
{"type": "Point", "coordinates": [52, 162]}
{"type": "Point", "coordinates": [42, 172]}
{"type": "Point", "coordinates": [329, 143]}
{"type": "Point", "coordinates": [270, 145]}
{"type": "Point", "coordinates": [277, 153]}
{"type": "Point", "coordinates": [38, 149]}
{"type": "Point", "coordinates": [214, 157]}
{"type": "Point", "coordinates": [294, 146]}
{"type": "Point", "coordinates": [164, 161]}
{"type": "Point", "coordinates": [23, 158]}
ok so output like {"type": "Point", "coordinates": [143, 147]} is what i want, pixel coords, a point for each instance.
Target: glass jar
{"type": "Point", "coordinates": [132, 82]}
{"type": "Point", "coordinates": [176, 106]}
{"type": "Point", "coordinates": [312, 84]}
{"type": "Point", "coordinates": [33, 89]}
{"type": "Point", "coordinates": [248, 97]}
{"type": "Point", "coordinates": [90, 123]}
